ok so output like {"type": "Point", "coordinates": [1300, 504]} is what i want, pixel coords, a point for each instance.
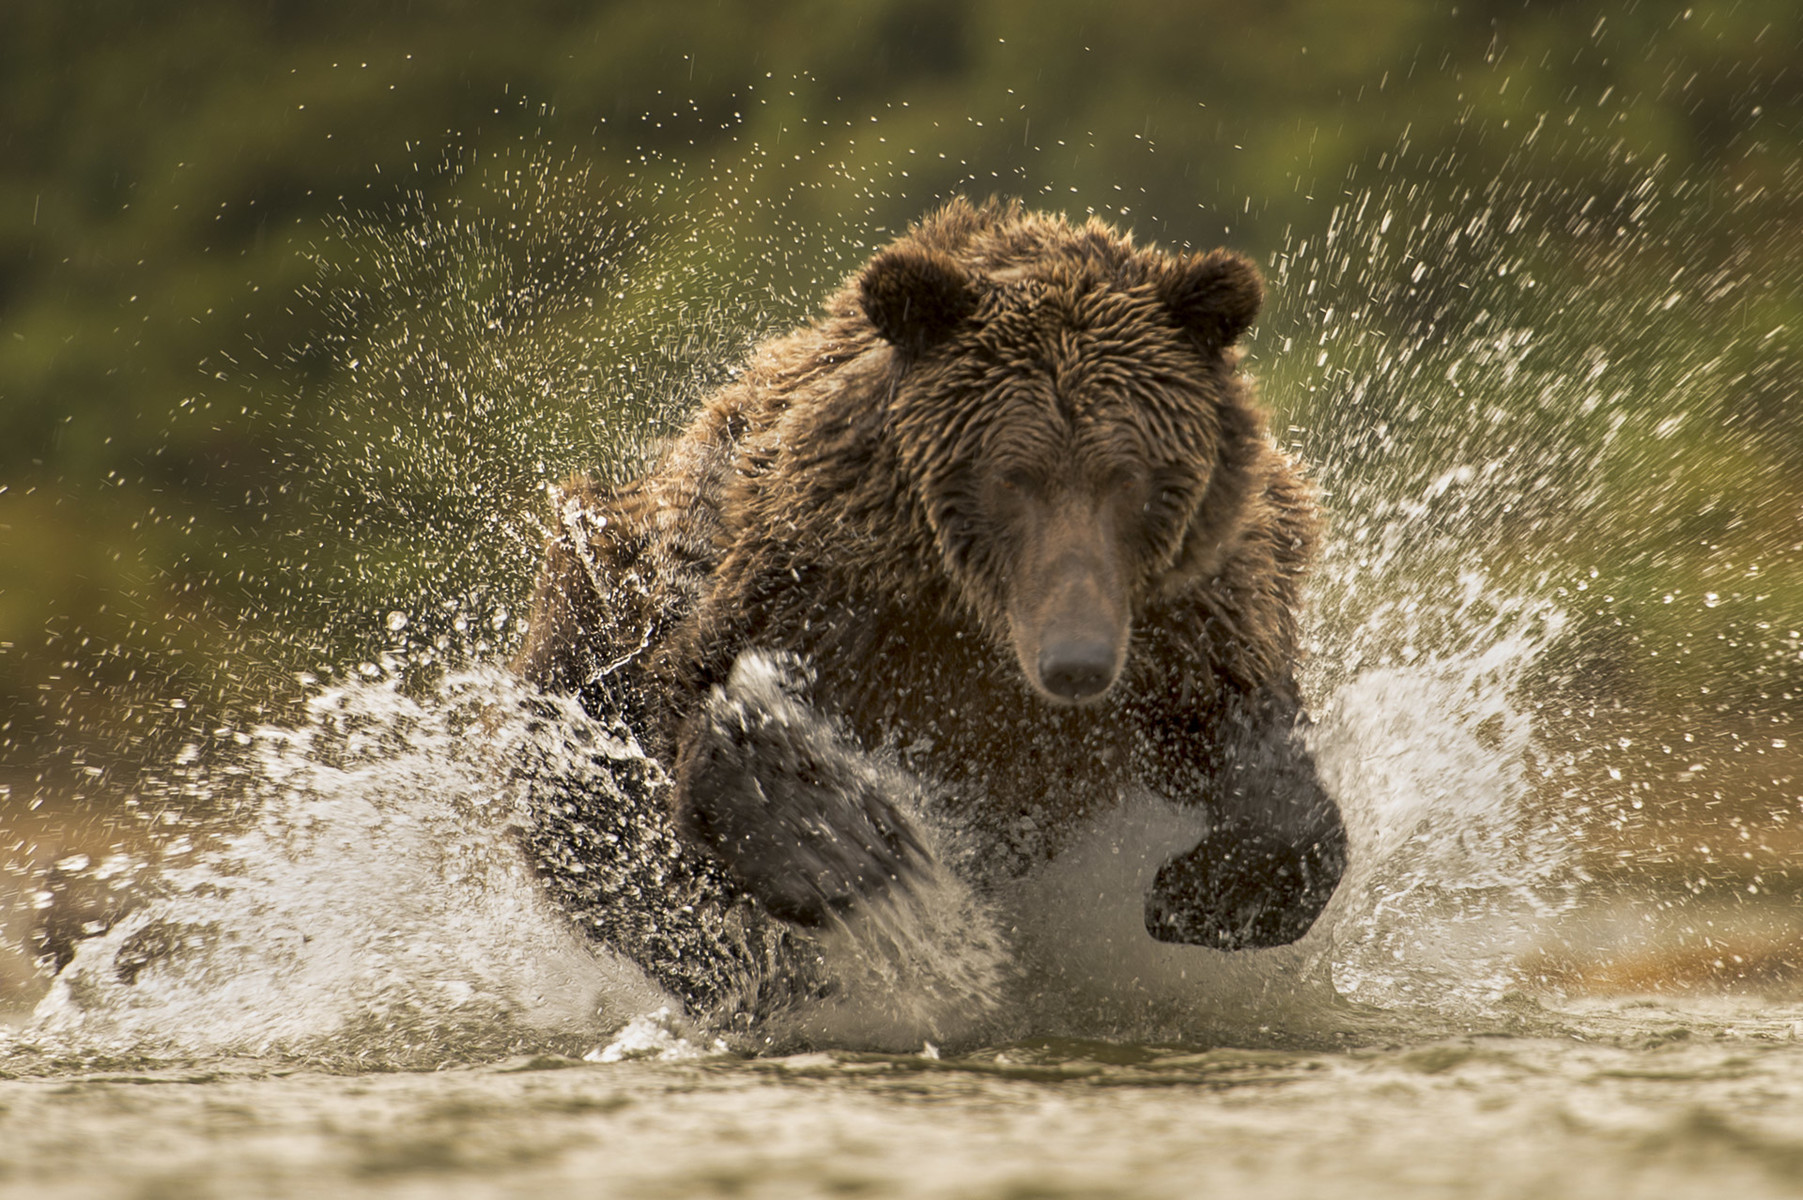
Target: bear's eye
{"type": "Point", "coordinates": [1120, 479]}
{"type": "Point", "coordinates": [1126, 485]}
{"type": "Point", "coordinates": [1015, 480]}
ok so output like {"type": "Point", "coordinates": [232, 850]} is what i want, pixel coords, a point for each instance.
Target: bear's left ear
{"type": "Point", "coordinates": [1215, 296]}
{"type": "Point", "coordinates": [915, 297]}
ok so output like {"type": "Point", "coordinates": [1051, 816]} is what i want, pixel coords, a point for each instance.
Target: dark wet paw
{"type": "Point", "coordinates": [1240, 891]}
{"type": "Point", "coordinates": [806, 821]}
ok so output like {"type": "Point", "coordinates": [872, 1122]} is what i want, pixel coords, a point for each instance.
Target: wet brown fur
{"type": "Point", "coordinates": [855, 498]}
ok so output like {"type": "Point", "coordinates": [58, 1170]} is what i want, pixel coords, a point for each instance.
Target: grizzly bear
{"type": "Point", "coordinates": [1004, 522]}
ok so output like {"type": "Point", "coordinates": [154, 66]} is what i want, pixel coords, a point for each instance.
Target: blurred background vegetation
{"type": "Point", "coordinates": [302, 302]}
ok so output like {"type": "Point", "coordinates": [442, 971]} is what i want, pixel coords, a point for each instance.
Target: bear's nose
{"type": "Point", "coordinates": [1076, 670]}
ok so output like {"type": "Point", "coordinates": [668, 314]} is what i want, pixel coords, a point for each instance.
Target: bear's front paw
{"type": "Point", "coordinates": [806, 821]}
{"type": "Point", "coordinates": [1243, 891]}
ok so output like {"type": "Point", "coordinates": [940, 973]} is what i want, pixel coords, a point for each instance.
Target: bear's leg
{"type": "Point", "coordinates": [805, 820]}
{"type": "Point", "coordinates": [601, 838]}
{"type": "Point", "coordinates": [1275, 849]}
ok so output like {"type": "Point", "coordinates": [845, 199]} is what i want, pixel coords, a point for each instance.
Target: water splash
{"type": "Point", "coordinates": [375, 910]}
{"type": "Point", "coordinates": [1452, 880]}
{"type": "Point", "coordinates": [1429, 728]}
{"type": "Point", "coordinates": [378, 906]}
{"type": "Point", "coordinates": [379, 909]}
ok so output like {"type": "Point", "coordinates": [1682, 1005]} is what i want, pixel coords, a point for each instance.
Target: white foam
{"type": "Point", "coordinates": [1450, 879]}
{"type": "Point", "coordinates": [377, 906]}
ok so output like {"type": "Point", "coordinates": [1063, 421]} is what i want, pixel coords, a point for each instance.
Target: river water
{"type": "Point", "coordinates": [1615, 1101]}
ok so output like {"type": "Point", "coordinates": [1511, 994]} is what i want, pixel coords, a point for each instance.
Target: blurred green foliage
{"type": "Point", "coordinates": [302, 302]}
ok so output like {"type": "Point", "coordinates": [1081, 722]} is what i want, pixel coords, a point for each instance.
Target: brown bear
{"type": "Point", "coordinates": [1006, 517]}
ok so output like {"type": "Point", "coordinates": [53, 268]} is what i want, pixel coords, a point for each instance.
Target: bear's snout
{"type": "Point", "coordinates": [1070, 610]}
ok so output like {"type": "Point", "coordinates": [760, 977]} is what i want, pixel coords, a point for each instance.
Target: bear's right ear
{"type": "Point", "coordinates": [915, 297]}
{"type": "Point", "coordinates": [1215, 296]}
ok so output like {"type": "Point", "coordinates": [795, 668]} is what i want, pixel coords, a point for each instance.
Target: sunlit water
{"type": "Point", "coordinates": [357, 983]}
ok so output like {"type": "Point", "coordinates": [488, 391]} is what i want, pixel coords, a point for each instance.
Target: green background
{"type": "Point", "coordinates": [302, 305]}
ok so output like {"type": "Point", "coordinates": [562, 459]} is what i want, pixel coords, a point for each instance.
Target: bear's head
{"type": "Point", "coordinates": [1065, 410]}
